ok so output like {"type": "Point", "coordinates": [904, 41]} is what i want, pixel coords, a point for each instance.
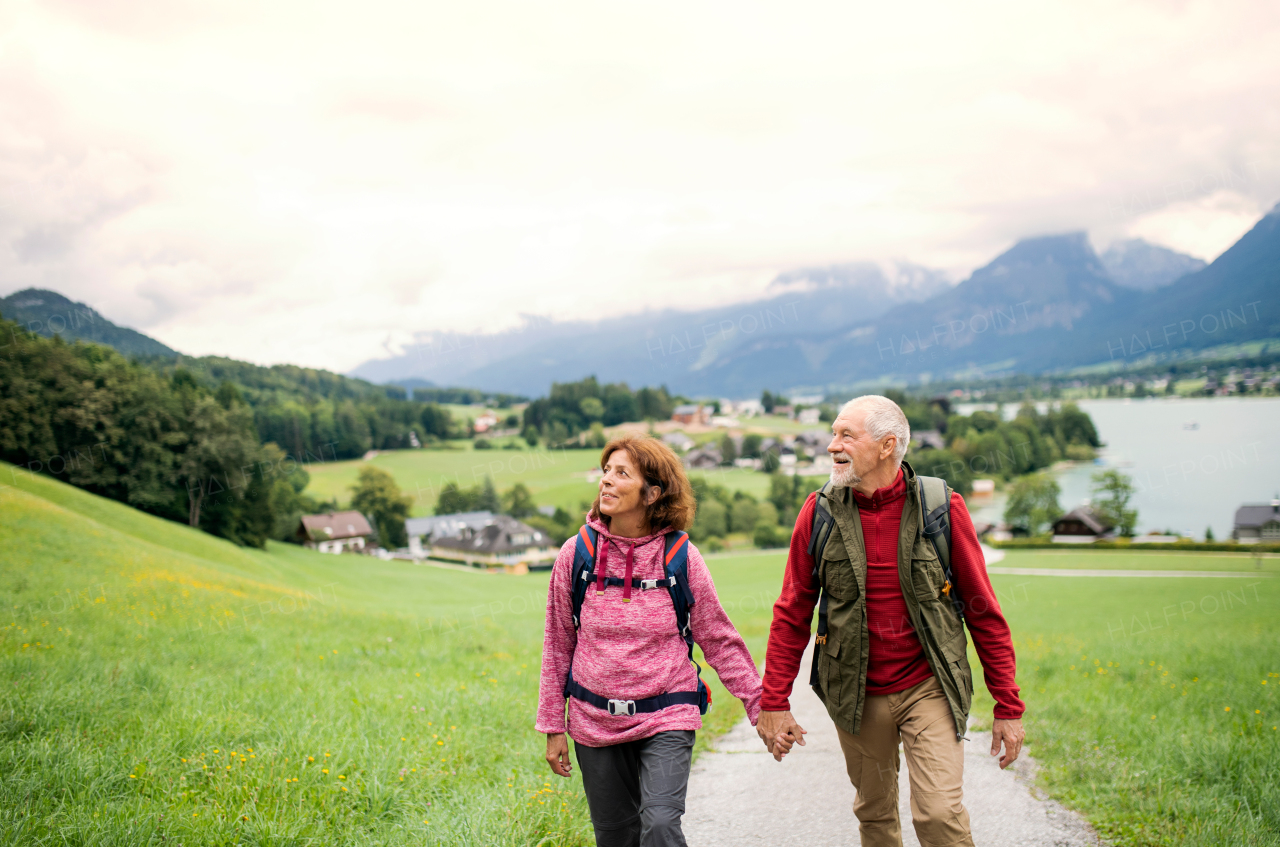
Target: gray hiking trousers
{"type": "Point", "coordinates": [636, 790]}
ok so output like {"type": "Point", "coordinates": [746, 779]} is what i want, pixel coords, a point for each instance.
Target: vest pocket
{"type": "Point", "coordinates": [962, 672]}
{"type": "Point", "coordinates": [927, 578]}
{"type": "Point", "coordinates": [839, 579]}
{"type": "Point", "coordinates": [829, 674]}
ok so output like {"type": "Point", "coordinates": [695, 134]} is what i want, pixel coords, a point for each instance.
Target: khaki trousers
{"type": "Point", "coordinates": [921, 718]}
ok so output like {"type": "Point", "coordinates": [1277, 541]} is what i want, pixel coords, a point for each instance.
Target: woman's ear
{"type": "Point", "coordinates": [652, 494]}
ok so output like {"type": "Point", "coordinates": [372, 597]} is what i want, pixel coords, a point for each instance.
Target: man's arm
{"type": "Point", "coordinates": [991, 636]}
{"type": "Point", "coordinates": [788, 636]}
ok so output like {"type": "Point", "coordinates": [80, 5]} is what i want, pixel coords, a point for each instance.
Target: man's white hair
{"type": "Point", "coordinates": [884, 417]}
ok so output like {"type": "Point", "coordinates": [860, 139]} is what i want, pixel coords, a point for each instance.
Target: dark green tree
{"type": "Point", "coordinates": [377, 496]}
{"type": "Point", "coordinates": [518, 502]}
{"type": "Point", "coordinates": [728, 450]}
{"type": "Point", "coordinates": [944, 464]}
{"type": "Point", "coordinates": [489, 500]}
{"type": "Point", "coordinates": [1112, 492]}
{"type": "Point", "coordinates": [454, 499]}
{"type": "Point", "coordinates": [220, 451]}
{"type": "Point", "coordinates": [1033, 503]}
{"type": "Point", "coordinates": [436, 421]}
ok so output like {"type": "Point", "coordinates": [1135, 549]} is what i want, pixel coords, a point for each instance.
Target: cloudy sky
{"type": "Point", "coordinates": [314, 182]}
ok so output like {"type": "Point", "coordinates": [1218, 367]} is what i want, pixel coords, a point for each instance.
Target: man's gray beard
{"type": "Point", "coordinates": [844, 475]}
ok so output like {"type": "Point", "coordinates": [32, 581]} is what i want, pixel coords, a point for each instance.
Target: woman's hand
{"type": "Point", "coordinates": [558, 754]}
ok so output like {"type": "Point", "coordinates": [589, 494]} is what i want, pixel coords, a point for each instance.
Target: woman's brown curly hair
{"type": "Point", "coordinates": [659, 466]}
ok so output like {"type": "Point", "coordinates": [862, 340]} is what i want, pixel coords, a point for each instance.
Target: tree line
{"type": "Point", "coordinates": [984, 445]}
{"type": "Point", "coordinates": [214, 443]}
{"type": "Point", "coordinates": [574, 408]}
{"type": "Point", "coordinates": [317, 415]}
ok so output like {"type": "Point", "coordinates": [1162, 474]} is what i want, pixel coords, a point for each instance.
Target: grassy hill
{"type": "Point", "coordinates": [157, 681]}
{"type": "Point", "coordinates": [161, 685]}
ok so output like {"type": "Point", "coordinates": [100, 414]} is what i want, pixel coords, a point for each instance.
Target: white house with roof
{"type": "Point", "coordinates": [334, 532]}
{"type": "Point", "coordinates": [1257, 522]}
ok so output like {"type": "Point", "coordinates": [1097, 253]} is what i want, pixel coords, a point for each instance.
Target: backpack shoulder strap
{"type": "Point", "coordinates": [675, 560]}
{"type": "Point", "coordinates": [584, 566]}
{"type": "Point", "coordinates": [935, 510]}
{"type": "Point", "coordinates": [821, 532]}
{"type": "Point", "coordinates": [822, 523]}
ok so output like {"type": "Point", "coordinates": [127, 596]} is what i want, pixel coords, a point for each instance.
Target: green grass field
{"type": "Point", "coordinates": [160, 685]}
{"type": "Point", "coordinates": [1152, 702]}
{"type": "Point", "coordinates": [555, 477]}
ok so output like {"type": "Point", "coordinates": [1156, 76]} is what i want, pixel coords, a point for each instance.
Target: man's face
{"type": "Point", "coordinates": [853, 452]}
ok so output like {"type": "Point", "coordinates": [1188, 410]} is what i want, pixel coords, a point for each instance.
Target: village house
{"type": "Point", "coordinates": [443, 526]}
{"type": "Point", "coordinates": [814, 441]}
{"type": "Point", "coordinates": [929, 439]}
{"type": "Point", "coordinates": [704, 458]}
{"type": "Point", "coordinates": [983, 489]}
{"type": "Point", "coordinates": [678, 441]}
{"type": "Point", "coordinates": [1257, 522]}
{"type": "Point", "coordinates": [1081, 526]}
{"type": "Point", "coordinates": [691, 414]}
{"type": "Point", "coordinates": [335, 532]}
{"type": "Point", "coordinates": [503, 542]}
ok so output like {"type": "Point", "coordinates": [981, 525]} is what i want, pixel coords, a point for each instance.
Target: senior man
{"type": "Point", "coordinates": [893, 664]}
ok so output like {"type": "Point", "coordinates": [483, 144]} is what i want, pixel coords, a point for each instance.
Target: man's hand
{"type": "Point", "coordinates": [558, 754]}
{"type": "Point", "coordinates": [1012, 734]}
{"type": "Point", "coordinates": [779, 731]}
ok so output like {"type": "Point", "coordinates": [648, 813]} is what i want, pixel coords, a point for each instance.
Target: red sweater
{"type": "Point", "coordinates": [896, 659]}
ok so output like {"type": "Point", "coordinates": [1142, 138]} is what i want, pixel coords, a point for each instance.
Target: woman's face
{"type": "Point", "coordinates": [623, 490]}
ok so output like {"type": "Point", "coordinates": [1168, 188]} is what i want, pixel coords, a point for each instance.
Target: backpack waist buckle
{"type": "Point", "coordinates": [622, 707]}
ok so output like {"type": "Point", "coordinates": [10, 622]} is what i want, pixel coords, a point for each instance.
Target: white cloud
{"type": "Point", "coordinates": [307, 182]}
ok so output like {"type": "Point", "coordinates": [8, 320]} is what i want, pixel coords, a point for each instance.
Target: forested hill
{"type": "Point", "coordinates": [215, 443]}
{"type": "Point", "coordinates": [307, 411]}
{"type": "Point", "coordinates": [48, 313]}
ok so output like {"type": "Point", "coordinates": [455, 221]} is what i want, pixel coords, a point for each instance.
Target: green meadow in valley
{"type": "Point", "coordinates": [161, 685]}
{"type": "Point", "coordinates": [555, 476]}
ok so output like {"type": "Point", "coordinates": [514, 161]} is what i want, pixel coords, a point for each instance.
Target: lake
{"type": "Point", "coordinates": [1193, 461]}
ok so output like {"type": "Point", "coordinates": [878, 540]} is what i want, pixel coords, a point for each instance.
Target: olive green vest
{"type": "Point", "coordinates": [842, 663]}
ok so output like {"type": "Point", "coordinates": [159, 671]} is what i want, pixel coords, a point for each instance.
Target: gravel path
{"type": "Point", "coordinates": [738, 795]}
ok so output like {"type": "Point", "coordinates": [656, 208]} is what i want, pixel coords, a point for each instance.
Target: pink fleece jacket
{"type": "Point", "coordinates": [630, 651]}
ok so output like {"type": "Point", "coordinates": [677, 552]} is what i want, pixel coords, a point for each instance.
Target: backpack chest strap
{"type": "Point", "coordinates": [642, 584]}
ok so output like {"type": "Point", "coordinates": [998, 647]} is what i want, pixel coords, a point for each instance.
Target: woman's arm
{"type": "Point", "coordinates": [558, 642]}
{"type": "Point", "coordinates": [719, 640]}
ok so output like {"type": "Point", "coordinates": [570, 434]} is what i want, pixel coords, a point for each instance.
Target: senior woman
{"type": "Point", "coordinates": [626, 647]}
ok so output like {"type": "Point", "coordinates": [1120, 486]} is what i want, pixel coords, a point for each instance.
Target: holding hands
{"type": "Point", "coordinates": [779, 732]}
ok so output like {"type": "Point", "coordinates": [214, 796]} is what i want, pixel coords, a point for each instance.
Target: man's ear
{"type": "Point", "coordinates": [885, 445]}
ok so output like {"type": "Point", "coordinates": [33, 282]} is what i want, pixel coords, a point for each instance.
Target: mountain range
{"type": "Point", "coordinates": [1048, 303]}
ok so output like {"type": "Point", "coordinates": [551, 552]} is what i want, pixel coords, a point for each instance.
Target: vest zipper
{"type": "Point", "coordinates": [937, 652]}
